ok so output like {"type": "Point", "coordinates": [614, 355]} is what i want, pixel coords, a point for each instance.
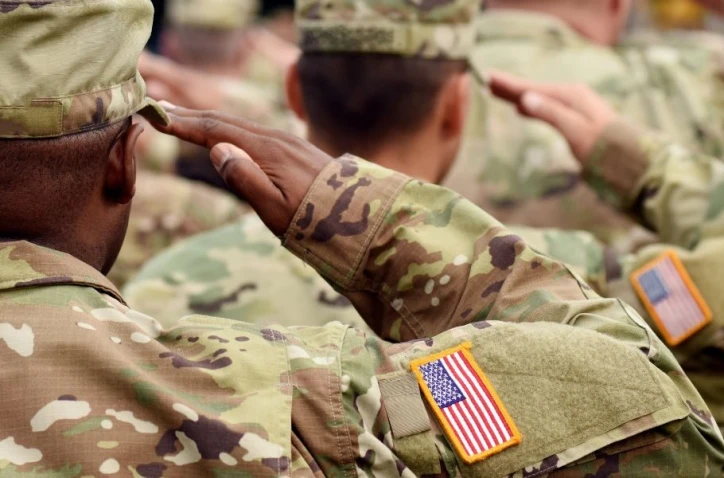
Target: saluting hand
{"type": "Point", "coordinates": [576, 111]}
{"type": "Point", "coordinates": [270, 169]}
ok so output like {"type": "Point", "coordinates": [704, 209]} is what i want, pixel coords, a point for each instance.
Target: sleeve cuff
{"type": "Point", "coordinates": [336, 223]}
{"type": "Point", "coordinates": [616, 168]}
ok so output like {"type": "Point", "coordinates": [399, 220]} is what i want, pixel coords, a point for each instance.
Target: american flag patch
{"type": "Point", "coordinates": [468, 408]}
{"type": "Point", "coordinates": [671, 298]}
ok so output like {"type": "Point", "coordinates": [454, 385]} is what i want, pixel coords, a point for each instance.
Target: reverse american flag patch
{"type": "Point", "coordinates": [471, 413]}
{"type": "Point", "coordinates": [671, 298]}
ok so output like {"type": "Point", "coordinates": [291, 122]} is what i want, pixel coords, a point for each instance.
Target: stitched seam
{"type": "Point", "coordinates": [341, 404]}
{"type": "Point", "coordinates": [285, 353]}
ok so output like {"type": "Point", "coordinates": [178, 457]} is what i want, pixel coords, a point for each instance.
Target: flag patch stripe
{"type": "Point", "coordinates": [671, 297]}
{"type": "Point", "coordinates": [466, 404]}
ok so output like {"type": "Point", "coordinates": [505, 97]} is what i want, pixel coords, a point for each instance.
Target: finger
{"type": "Point", "coordinates": [230, 119]}
{"type": "Point", "coordinates": [245, 178]}
{"type": "Point", "coordinates": [571, 124]}
{"type": "Point", "coordinates": [207, 130]}
{"type": "Point", "coordinates": [512, 88]}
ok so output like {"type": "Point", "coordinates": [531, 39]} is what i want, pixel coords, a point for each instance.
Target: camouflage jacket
{"type": "Point", "coordinates": [100, 388]}
{"type": "Point", "coordinates": [165, 210]}
{"type": "Point", "coordinates": [522, 171]}
{"type": "Point", "coordinates": [680, 196]}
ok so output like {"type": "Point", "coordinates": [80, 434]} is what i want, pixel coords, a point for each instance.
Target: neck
{"type": "Point", "coordinates": [416, 159]}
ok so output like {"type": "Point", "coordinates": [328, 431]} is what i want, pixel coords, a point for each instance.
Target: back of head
{"type": "Point", "coordinates": [371, 70]}
{"type": "Point", "coordinates": [69, 88]}
{"type": "Point", "coordinates": [207, 34]}
{"type": "Point", "coordinates": [363, 101]}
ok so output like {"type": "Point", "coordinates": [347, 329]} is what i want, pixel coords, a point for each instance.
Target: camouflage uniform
{"type": "Point", "coordinates": [522, 171]}
{"type": "Point", "coordinates": [98, 388]}
{"type": "Point", "coordinates": [212, 396]}
{"type": "Point", "coordinates": [165, 210]}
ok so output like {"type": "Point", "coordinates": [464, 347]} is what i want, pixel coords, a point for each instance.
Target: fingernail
{"type": "Point", "coordinates": [531, 101]}
{"type": "Point", "coordinates": [219, 156]}
{"type": "Point", "coordinates": [166, 105]}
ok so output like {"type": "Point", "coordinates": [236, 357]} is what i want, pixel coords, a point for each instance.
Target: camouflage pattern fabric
{"type": "Point", "coordinates": [679, 195]}
{"type": "Point", "coordinates": [79, 95]}
{"type": "Point", "coordinates": [211, 396]}
{"type": "Point", "coordinates": [237, 272]}
{"type": "Point", "coordinates": [522, 171]}
{"type": "Point", "coordinates": [165, 210]}
{"type": "Point", "coordinates": [439, 30]}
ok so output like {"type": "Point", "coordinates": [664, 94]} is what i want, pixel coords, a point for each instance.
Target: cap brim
{"type": "Point", "coordinates": [153, 112]}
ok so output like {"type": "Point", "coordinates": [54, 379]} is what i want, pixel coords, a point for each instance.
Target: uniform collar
{"type": "Point", "coordinates": [519, 24]}
{"type": "Point", "coordinates": [23, 264]}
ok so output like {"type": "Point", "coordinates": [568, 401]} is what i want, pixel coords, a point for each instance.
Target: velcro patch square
{"type": "Point", "coordinates": [465, 403]}
{"type": "Point", "coordinates": [671, 298]}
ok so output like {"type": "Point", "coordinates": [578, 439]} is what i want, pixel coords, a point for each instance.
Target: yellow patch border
{"type": "Point", "coordinates": [693, 289]}
{"type": "Point", "coordinates": [464, 348]}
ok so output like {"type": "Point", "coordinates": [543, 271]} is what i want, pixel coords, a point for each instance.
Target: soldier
{"type": "Point", "coordinates": [522, 171]}
{"type": "Point", "coordinates": [98, 388]}
{"type": "Point", "coordinates": [676, 193]}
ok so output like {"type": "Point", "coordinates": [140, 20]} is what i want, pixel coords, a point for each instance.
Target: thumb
{"type": "Point", "coordinates": [243, 176]}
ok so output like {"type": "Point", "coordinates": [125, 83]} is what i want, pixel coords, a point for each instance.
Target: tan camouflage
{"type": "Point", "coordinates": [418, 29]}
{"type": "Point", "coordinates": [522, 171]}
{"type": "Point", "coordinates": [167, 209]}
{"type": "Point", "coordinates": [79, 95]}
{"type": "Point", "coordinates": [212, 14]}
{"type": "Point", "coordinates": [208, 396]}
{"type": "Point", "coordinates": [237, 272]}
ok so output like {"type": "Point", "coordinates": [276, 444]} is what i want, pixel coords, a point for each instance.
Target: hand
{"type": "Point", "coordinates": [169, 81]}
{"type": "Point", "coordinates": [270, 169]}
{"type": "Point", "coordinates": [576, 111]}
{"type": "Point", "coordinates": [280, 53]}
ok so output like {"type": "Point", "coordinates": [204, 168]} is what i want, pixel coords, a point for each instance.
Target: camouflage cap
{"type": "Point", "coordinates": [419, 28]}
{"type": "Point", "coordinates": [214, 14]}
{"type": "Point", "coordinates": [69, 66]}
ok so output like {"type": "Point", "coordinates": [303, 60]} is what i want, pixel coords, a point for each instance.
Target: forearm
{"type": "Point", "coordinates": [417, 259]}
{"type": "Point", "coordinates": [674, 191]}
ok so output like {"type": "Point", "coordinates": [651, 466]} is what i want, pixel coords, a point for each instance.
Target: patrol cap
{"type": "Point", "coordinates": [68, 66]}
{"type": "Point", "coordinates": [433, 29]}
{"type": "Point", "coordinates": [213, 14]}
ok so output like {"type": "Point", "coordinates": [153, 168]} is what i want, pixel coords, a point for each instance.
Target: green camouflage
{"type": "Point", "coordinates": [213, 14]}
{"type": "Point", "coordinates": [441, 29]}
{"type": "Point", "coordinates": [209, 396]}
{"type": "Point", "coordinates": [237, 272]}
{"type": "Point", "coordinates": [522, 171]}
{"type": "Point", "coordinates": [79, 95]}
{"type": "Point", "coordinates": [167, 209]}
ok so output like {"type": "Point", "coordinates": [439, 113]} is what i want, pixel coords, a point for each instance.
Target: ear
{"type": "Point", "coordinates": [454, 100]}
{"type": "Point", "coordinates": [120, 181]}
{"type": "Point", "coordinates": [293, 87]}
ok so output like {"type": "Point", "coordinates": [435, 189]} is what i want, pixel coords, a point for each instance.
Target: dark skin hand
{"type": "Point", "coordinates": [270, 169]}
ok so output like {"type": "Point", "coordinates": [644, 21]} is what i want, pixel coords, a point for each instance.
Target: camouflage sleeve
{"type": "Point", "coordinates": [417, 259]}
{"type": "Point", "coordinates": [677, 193]}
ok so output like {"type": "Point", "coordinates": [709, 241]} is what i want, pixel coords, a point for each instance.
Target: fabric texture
{"type": "Point", "coordinates": [434, 31]}
{"type": "Point", "coordinates": [76, 76]}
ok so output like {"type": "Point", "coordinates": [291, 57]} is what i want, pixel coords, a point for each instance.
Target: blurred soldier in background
{"type": "Point", "coordinates": [212, 39]}
{"type": "Point", "coordinates": [522, 171]}
{"type": "Point", "coordinates": [676, 193]}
